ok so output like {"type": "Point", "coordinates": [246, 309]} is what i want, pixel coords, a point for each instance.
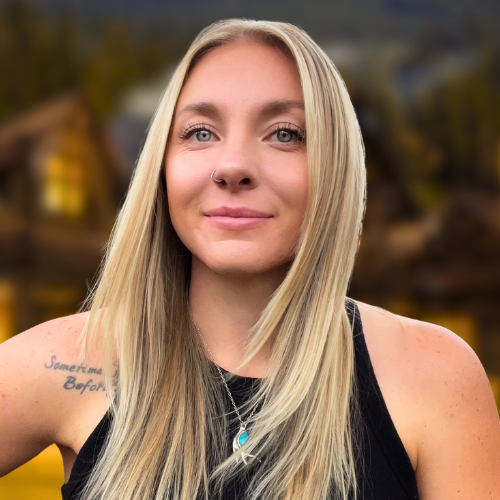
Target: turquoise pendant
{"type": "Point", "coordinates": [243, 437]}
{"type": "Point", "coordinates": [239, 440]}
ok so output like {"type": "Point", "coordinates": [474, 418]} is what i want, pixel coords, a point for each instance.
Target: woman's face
{"type": "Point", "coordinates": [228, 118]}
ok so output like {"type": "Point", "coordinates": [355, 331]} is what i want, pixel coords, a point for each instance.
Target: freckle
{"type": "Point", "coordinates": [462, 394]}
{"type": "Point", "coordinates": [452, 415]}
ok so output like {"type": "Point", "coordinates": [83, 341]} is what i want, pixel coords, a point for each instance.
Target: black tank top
{"type": "Point", "coordinates": [388, 472]}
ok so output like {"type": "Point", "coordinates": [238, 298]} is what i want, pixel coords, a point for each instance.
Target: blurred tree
{"type": "Point", "coordinates": [36, 58]}
{"type": "Point", "coordinates": [114, 68]}
{"type": "Point", "coordinates": [461, 116]}
{"type": "Point", "coordinates": [43, 55]}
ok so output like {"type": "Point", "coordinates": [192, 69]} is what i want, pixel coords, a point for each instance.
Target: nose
{"type": "Point", "coordinates": [230, 180]}
{"type": "Point", "coordinates": [235, 169]}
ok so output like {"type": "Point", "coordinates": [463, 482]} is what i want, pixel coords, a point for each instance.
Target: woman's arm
{"type": "Point", "coordinates": [45, 394]}
{"type": "Point", "coordinates": [26, 397]}
{"type": "Point", "coordinates": [459, 441]}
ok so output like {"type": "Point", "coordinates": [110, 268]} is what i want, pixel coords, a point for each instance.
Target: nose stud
{"type": "Point", "coordinates": [217, 181]}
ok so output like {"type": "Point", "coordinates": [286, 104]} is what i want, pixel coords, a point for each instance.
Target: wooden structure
{"type": "Point", "coordinates": [61, 183]}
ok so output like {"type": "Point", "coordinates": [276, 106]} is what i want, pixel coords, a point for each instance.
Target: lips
{"type": "Point", "coordinates": [237, 212]}
{"type": "Point", "coordinates": [237, 218]}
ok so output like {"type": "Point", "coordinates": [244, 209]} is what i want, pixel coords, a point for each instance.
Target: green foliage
{"type": "Point", "coordinates": [44, 55]}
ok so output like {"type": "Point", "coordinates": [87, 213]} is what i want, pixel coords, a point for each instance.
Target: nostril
{"type": "Point", "coordinates": [246, 180]}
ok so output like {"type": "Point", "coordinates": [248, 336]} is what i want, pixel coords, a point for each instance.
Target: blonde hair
{"type": "Point", "coordinates": [169, 433]}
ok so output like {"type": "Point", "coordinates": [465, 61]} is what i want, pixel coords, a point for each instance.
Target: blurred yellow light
{"type": "Point", "coordinates": [64, 189]}
{"type": "Point", "coordinates": [7, 316]}
{"type": "Point", "coordinates": [41, 478]}
{"type": "Point", "coordinates": [495, 387]}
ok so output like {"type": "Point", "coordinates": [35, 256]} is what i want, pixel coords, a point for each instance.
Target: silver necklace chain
{"type": "Point", "coordinates": [243, 425]}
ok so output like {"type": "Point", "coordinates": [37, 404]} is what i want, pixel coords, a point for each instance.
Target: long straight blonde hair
{"type": "Point", "coordinates": [169, 431]}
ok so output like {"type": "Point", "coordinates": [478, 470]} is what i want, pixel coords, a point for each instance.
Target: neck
{"type": "Point", "coordinates": [225, 307]}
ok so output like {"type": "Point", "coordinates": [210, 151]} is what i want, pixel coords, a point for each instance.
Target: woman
{"type": "Point", "coordinates": [233, 360]}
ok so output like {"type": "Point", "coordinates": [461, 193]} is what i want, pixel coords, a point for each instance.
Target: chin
{"type": "Point", "coordinates": [238, 268]}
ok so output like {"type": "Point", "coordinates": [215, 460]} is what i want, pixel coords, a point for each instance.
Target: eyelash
{"type": "Point", "coordinates": [191, 129]}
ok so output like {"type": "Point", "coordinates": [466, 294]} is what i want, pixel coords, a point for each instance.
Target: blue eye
{"type": "Point", "coordinates": [203, 133]}
{"type": "Point", "coordinates": [287, 132]}
{"type": "Point", "coordinates": [198, 129]}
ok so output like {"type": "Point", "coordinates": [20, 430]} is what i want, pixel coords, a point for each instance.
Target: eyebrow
{"type": "Point", "coordinates": [267, 110]}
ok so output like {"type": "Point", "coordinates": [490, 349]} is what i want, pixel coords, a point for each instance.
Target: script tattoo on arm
{"type": "Point", "coordinates": [71, 381]}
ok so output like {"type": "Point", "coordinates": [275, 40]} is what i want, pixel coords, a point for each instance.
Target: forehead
{"type": "Point", "coordinates": [239, 73]}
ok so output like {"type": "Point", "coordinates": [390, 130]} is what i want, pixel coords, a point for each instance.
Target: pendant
{"type": "Point", "coordinates": [238, 441]}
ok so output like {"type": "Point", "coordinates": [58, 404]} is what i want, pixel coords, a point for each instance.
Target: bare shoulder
{"type": "Point", "coordinates": [455, 421]}
{"type": "Point", "coordinates": [429, 351]}
{"type": "Point", "coordinates": [44, 390]}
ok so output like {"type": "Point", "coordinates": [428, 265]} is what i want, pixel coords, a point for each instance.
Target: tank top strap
{"type": "Point", "coordinates": [375, 409]}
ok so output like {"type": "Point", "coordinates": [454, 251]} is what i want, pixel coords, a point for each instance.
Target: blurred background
{"type": "Point", "coordinates": [80, 81]}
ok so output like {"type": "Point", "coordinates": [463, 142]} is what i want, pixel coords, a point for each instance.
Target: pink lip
{"type": "Point", "coordinates": [237, 217]}
{"type": "Point", "coordinates": [243, 212]}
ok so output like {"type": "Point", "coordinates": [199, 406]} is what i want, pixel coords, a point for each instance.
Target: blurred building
{"type": "Point", "coordinates": [61, 183]}
{"type": "Point", "coordinates": [436, 262]}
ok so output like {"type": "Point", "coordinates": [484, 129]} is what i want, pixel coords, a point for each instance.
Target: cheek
{"type": "Point", "coordinates": [302, 192]}
{"type": "Point", "coordinates": [184, 183]}
{"type": "Point", "coordinates": [181, 192]}
{"type": "Point", "coordinates": [291, 185]}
